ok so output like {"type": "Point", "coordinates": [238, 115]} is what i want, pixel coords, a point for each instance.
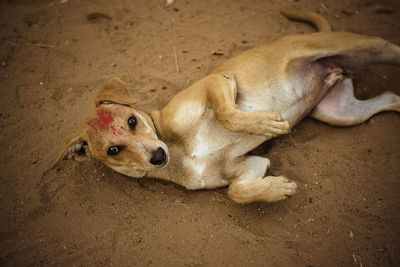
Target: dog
{"type": "Point", "coordinates": [201, 138]}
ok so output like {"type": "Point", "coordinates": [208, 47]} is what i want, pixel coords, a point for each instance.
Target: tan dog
{"type": "Point", "coordinates": [200, 139]}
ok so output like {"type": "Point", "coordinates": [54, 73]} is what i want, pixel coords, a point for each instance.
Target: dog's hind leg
{"type": "Point", "coordinates": [251, 185]}
{"type": "Point", "coordinates": [340, 108]}
{"type": "Point", "coordinates": [353, 51]}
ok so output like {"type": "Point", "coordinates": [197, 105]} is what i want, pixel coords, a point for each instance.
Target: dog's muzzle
{"type": "Point", "coordinates": [159, 157]}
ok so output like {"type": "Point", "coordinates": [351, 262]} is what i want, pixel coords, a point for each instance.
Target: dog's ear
{"type": "Point", "coordinates": [74, 147]}
{"type": "Point", "coordinates": [114, 91]}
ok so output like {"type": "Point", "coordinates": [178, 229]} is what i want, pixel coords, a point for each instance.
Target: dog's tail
{"type": "Point", "coordinates": [313, 18]}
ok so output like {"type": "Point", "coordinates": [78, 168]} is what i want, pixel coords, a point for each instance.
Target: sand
{"type": "Point", "coordinates": [54, 58]}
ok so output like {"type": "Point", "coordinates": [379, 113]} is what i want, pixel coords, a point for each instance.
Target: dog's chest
{"type": "Point", "coordinates": [206, 153]}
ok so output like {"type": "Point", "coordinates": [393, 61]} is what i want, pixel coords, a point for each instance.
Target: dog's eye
{"type": "Point", "coordinates": [114, 150]}
{"type": "Point", "coordinates": [132, 121]}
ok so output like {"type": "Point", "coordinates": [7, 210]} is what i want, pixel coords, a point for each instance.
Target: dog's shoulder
{"type": "Point", "coordinates": [183, 113]}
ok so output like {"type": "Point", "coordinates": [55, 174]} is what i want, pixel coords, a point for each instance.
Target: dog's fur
{"type": "Point", "coordinates": [200, 139]}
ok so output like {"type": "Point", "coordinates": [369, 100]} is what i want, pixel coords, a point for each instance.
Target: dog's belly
{"type": "Point", "coordinates": [294, 99]}
{"type": "Point", "coordinates": [292, 83]}
{"type": "Point", "coordinates": [292, 109]}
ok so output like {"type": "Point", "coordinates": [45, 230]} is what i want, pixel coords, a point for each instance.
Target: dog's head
{"type": "Point", "coordinates": [122, 137]}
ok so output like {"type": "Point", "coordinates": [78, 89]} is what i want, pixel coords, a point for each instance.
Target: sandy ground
{"type": "Point", "coordinates": [53, 61]}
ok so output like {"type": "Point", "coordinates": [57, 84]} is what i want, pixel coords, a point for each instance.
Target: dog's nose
{"type": "Point", "coordinates": [159, 157]}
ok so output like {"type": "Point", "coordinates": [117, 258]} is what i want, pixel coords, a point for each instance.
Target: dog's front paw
{"type": "Point", "coordinates": [271, 124]}
{"type": "Point", "coordinates": [278, 188]}
{"type": "Point", "coordinates": [262, 189]}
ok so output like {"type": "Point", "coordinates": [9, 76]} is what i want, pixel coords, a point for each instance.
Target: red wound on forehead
{"type": "Point", "coordinates": [105, 122]}
{"type": "Point", "coordinates": [105, 116]}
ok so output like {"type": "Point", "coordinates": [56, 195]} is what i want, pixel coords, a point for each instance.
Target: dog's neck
{"type": "Point", "coordinates": [173, 171]}
{"type": "Point", "coordinates": [155, 118]}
